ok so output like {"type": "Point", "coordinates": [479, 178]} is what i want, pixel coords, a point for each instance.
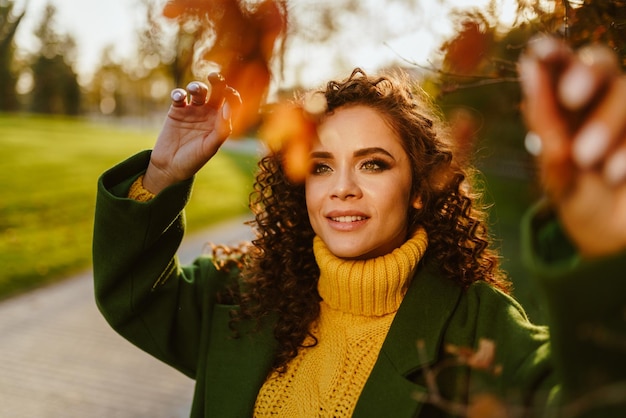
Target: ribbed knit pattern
{"type": "Point", "coordinates": [360, 299]}
{"type": "Point", "coordinates": [138, 192]}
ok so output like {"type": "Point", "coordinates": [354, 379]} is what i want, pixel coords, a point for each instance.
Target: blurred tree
{"type": "Point", "coordinates": [139, 86]}
{"type": "Point", "coordinates": [9, 23]}
{"type": "Point", "coordinates": [105, 92]}
{"type": "Point", "coordinates": [188, 33]}
{"type": "Point", "coordinates": [56, 89]}
{"type": "Point", "coordinates": [163, 59]}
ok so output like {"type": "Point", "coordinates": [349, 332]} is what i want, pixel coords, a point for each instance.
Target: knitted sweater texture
{"type": "Point", "coordinates": [359, 301]}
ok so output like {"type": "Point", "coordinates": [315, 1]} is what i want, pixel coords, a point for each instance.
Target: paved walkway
{"type": "Point", "coordinates": [59, 358]}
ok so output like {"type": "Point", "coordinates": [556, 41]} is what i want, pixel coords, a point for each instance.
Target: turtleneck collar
{"type": "Point", "coordinates": [372, 287]}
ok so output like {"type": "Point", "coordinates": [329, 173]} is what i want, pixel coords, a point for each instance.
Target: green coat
{"type": "Point", "coordinates": [171, 312]}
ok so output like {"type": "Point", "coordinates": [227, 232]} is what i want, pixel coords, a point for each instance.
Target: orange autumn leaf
{"type": "Point", "coordinates": [292, 130]}
{"type": "Point", "coordinates": [296, 161]}
{"type": "Point", "coordinates": [487, 406]}
{"type": "Point", "coordinates": [482, 358]}
{"type": "Point", "coordinates": [468, 49]}
{"type": "Point", "coordinates": [281, 123]}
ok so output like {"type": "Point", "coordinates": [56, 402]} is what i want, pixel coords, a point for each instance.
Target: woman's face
{"type": "Point", "coordinates": [359, 189]}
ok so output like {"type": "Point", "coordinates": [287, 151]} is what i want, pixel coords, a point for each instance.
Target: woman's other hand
{"type": "Point", "coordinates": [197, 124]}
{"type": "Point", "coordinates": [575, 102]}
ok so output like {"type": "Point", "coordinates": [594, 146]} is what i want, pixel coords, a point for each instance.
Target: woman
{"type": "Point", "coordinates": [370, 285]}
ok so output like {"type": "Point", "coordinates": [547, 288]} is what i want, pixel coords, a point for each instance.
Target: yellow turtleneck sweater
{"type": "Point", "coordinates": [359, 301]}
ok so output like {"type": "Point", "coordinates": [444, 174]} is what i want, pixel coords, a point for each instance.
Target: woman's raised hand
{"type": "Point", "coordinates": [197, 124]}
{"type": "Point", "coordinates": [575, 102]}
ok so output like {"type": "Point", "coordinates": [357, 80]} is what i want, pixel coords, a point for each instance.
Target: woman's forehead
{"type": "Point", "coordinates": [356, 127]}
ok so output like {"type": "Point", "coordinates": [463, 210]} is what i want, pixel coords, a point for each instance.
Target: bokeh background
{"type": "Point", "coordinates": [83, 84]}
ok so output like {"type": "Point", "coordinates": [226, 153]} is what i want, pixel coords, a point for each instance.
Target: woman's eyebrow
{"type": "Point", "coordinates": [321, 154]}
{"type": "Point", "coordinates": [373, 150]}
{"type": "Point", "coordinates": [358, 153]}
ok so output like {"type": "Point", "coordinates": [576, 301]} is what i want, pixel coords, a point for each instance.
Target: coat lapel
{"type": "Point", "coordinates": [422, 317]}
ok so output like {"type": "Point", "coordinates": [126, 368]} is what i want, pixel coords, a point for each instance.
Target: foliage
{"type": "Point", "coordinates": [56, 89]}
{"type": "Point", "coordinates": [48, 181]}
{"type": "Point", "coordinates": [479, 67]}
{"type": "Point", "coordinates": [9, 23]}
{"type": "Point", "coordinates": [484, 52]}
{"type": "Point", "coordinates": [583, 22]}
{"type": "Point", "coordinates": [138, 89]}
{"type": "Point", "coordinates": [139, 86]}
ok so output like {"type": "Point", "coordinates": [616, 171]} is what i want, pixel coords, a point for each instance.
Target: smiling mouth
{"type": "Point", "coordinates": [347, 219]}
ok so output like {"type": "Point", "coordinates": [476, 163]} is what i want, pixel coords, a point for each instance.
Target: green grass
{"type": "Point", "coordinates": [48, 175]}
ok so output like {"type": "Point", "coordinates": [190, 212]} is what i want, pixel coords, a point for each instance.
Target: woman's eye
{"type": "Point", "coordinates": [374, 165]}
{"type": "Point", "coordinates": [320, 168]}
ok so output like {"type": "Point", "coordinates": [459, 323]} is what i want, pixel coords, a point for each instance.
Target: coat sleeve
{"type": "Point", "coordinates": [586, 305]}
{"type": "Point", "coordinates": [140, 288]}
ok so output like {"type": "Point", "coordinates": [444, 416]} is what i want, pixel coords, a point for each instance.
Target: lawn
{"type": "Point", "coordinates": [48, 175]}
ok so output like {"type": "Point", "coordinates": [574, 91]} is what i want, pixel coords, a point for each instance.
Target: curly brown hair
{"type": "Point", "coordinates": [280, 273]}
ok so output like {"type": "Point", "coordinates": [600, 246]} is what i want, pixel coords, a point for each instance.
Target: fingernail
{"type": "Point", "coordinates": [178, 97]}
{"type": "Point", "coordinates": [591, 144]}
{"type": "Point", "coordinates": [193, 87]}
{"type": "Point", "coordinates": [226, 112]}
{"type": "Point", "coordinates": [532, 143]}
{"type": "Point", "coordinates": [576, 87]}
{"type": "Point", "coordinates": [615, 168]}
{"type": "Point", "coordinates": [529, 74]}
{"type": "Point", "coordinates": [215, 78]}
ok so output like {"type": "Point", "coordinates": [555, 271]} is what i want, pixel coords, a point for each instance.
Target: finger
{"type": "Point", "coordinates": [544, 117]}
{"type": "Point", "coordinates": [537, 67]}
{"type": "Point", "coordinates": [548, 49]}
{"type": "Point", "coordinates": [603, 128]}
{"type": "Point", "coordinates": [586, 76]}
{"type": "Point", "coordinates": [218, 87]}
{"type": "Point", "coordinates": [223, 124]}
{"type": "Point", "coordinates": [179, 97]}
{"type": "Point", "coordinates": [232, 110]}
{"type": "Point", "coordinates": [232, 98]}
{"type": "Point", "coordinates": [232, 102]}
{"type": "Point", "coordinates": [615, 168]}
{"type": "Point", "coordinates": [198, 92]}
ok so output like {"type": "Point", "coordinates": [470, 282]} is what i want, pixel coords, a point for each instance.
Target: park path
{"type": "Point", "coordinates": [59, 358]}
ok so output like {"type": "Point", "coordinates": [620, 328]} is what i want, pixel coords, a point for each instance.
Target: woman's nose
{"type": "Point", "coordinates": [345, 186]}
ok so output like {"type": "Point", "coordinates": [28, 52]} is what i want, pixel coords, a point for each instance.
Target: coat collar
{"type": "Point", "coordinates": [422, 317]}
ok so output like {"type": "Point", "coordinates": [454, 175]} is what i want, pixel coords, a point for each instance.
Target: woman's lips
{"type": "Point", "coordinates": [346, 222]}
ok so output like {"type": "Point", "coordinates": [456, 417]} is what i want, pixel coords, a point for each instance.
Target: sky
{"type": "Point", "coordinates": [96, 24]}
{"type": "Point", "coordinates": [93, 23]}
